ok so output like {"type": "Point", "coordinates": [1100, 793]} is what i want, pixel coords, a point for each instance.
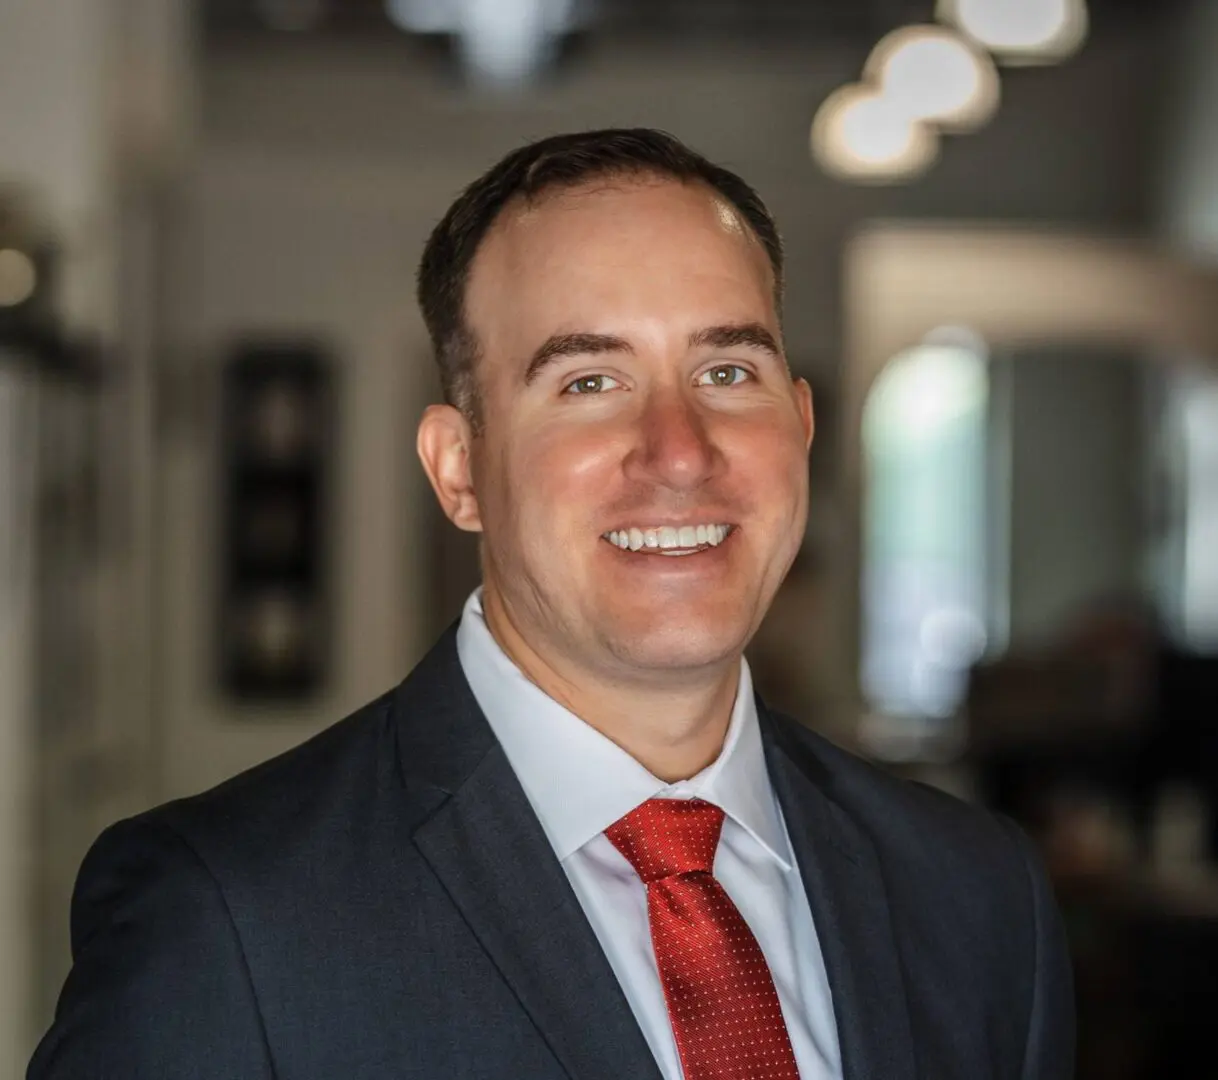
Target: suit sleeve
{"type": "Point", "coordinates": [159, 988]}
{"type": "Point", "coordinates": [1049, 1050]}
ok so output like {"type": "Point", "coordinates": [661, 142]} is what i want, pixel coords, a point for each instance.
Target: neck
{"type": "Point", "coordinates": [673, 727]}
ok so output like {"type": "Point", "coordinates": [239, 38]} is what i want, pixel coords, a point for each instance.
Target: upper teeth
{"type": "Point", "coordinates": [668, 537]}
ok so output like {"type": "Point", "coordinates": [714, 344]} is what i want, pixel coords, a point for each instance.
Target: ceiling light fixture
{"type": "Point", "coordinates": [503, 43]}
{"type": "Point", "coordinates": [1020, 31]}
{"type": "Point", "coordinates": [859, 135]}
{"type": "Point", "coordinates": [932, 73]}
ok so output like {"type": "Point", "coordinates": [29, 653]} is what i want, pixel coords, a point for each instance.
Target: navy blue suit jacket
{"type": "Point", "coordinates": [381, 902]}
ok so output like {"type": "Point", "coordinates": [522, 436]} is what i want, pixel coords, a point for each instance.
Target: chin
{"type": "Point", "coordinates": [680, 644]}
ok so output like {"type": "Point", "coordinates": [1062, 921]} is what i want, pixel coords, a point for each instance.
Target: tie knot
{"type": "Point", "coordinates": [665, 837]}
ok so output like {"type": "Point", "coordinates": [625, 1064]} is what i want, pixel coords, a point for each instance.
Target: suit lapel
{"type": "Point", "coordinates": [489, 851]}
{"type": "Point", "coordinates": [846, 892]}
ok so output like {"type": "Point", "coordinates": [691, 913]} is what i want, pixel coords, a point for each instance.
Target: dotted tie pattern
{"type": "Point", "coordinates": [721, 997]}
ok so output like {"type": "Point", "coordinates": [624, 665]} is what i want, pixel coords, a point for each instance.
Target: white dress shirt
{"type": "Point", "coordinates": [579, 782]}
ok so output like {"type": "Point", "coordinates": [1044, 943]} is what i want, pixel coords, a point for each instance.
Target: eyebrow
{"type": "Point", "coordinates": [751, 335]}
{"type": "Point", "coordinates": [727, 336]}
{"type": "Point", "coordinates": [559, 345]}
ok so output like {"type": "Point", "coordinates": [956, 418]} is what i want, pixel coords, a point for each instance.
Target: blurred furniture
{"type": "Point", "coordinates": [1086, 753]}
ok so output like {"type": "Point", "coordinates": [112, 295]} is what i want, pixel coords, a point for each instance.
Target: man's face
{"type": "Point", "coordinates": [641, 473]}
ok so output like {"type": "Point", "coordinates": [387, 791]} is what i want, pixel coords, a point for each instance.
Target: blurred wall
{"type": "Point", "coordinates": [1077, 473]}
{"type": "Point", "coordinates": [1189, 200]}
{"type": "Point", "coordinates": [93, 111]}
{"type": "Point", "coordinates": [293, 247]}
{"type": "Point", "coordinates": [54, 145]}
{"type": "Point", "coordinates": [56, 132]}
{"type": "Point", "coordinates": [320, 169]}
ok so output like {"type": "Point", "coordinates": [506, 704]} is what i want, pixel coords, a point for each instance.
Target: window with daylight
{"type": "Point", "coordinates": [925, 609]}
{"type": "Point", "coordinates": [1188, 565]}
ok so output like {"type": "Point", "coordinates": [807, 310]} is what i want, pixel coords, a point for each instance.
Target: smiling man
{"type": "Point", "coordinates": [573, 844]}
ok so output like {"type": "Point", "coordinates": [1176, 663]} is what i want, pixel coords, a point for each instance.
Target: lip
{"type": "Point", "coordinates": [673, 523]}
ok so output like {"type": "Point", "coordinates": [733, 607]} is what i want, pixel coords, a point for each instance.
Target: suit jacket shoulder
{"type": "Point", "coordinates": [288, 923]}
{"type": "Point", "coordinates": [974, 926]}
{"type": "Point", "coordinates": [374, 768]}
{"type": "Point", "coordinates": [926, 828]}
{"type": "Point", "coordinates": [278, 811]}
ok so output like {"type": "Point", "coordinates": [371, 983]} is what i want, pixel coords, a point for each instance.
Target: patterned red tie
{"type": "Point", "coordinates": [721, 998]}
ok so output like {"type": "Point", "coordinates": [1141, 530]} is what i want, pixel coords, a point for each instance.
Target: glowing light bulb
{"type": "Point", "coordinates": [933, 74]}
{"type": "Point", "coordinates": [859, 134]}
{"type": "Point", "coordinates": [1020, 31]}
{"type": "Point", "coordinates": [18, 277]}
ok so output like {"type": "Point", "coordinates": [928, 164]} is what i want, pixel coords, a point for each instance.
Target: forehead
{"type": "Point", "coordinates": [647, 228]}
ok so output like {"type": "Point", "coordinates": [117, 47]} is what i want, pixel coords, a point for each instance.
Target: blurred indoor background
{"type": "Point", "coordinates": [1002, 225]}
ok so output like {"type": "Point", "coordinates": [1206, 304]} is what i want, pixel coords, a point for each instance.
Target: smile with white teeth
{"type": "Point", "coordinates": [669, 539]}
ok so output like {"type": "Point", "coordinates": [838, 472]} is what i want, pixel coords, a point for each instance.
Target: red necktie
{"type": "Point", "coordinates": [721, 998]}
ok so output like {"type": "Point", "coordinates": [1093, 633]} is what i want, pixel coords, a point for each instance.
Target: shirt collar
{"type": "Point", "coordinates": [580, 782]}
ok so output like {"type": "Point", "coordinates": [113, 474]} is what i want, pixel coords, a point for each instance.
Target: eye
{"type": "Point", "coordinates": [591, 384]}
{"type": "Point", "coordinates": [723, 375]}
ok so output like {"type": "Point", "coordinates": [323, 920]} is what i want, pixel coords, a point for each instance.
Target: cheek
{"type": "Point", "coordinates": [568, 472]}
{"type": "Point", "coordinates": [772, 466]}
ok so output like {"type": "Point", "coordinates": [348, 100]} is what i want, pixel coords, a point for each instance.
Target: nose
{"type": "Point", "coordinates": [675, 446]}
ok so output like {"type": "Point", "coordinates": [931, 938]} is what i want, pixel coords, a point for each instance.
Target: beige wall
{"type": "Point", "coordinates": [94, 111]}
{"type": "Point", "coordinates": [263, 252]}
{"type": "Point", "coordinates": [53, 144]}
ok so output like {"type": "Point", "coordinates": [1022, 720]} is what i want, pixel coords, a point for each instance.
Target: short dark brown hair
{"type": "Point", "coordinates": [561, 161]}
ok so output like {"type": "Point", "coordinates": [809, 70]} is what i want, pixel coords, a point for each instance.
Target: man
{"type": "Point", "coordinates": [572, 844]}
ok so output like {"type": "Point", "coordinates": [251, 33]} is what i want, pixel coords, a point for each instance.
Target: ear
{"type": "Point", "coordinates": [444, 442]}
{"type": "Point", "coordinates": [803, 399]}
